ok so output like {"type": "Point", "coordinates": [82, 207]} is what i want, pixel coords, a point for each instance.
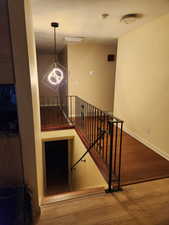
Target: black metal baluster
{"type": "Point", "coordinates": [120, 155]}
{"type": "Point", "coordinates": [101, 140]}
{"type": "Point", "coordinates": [87, 121]}
{"type": "Point", "coordinates": [99, 131]}
{"type": "Point", "coordinates": [95, 123]}
{"type": "Point", "coordinates": [96, 129]}
{"type": "Point", "coordinates": [115, 148]}
{"type": "Point", "coordinates": [107, 138]}
{"type": "Point", "coordinates": [78, 106]}
{"type": "Point", "coordinates": [104, 137]}
{"type": "Point", "coordinates": [71, 110]}
{"type": "Point", "coordinates": [111, 130]}
{"type": "Point", "coordinates": [76, 124]}
{"type": "Point", "coordinates": [92, 121]}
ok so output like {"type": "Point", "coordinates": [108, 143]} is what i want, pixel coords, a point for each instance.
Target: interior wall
{"type": "Point", "coordinates": [6, 65]}
{"type": "Point", "coordinates": [86, 174]}
{"type": "Point", "coordinates": [25, 67]}
{"type": "Point", "coordinates": [90, 75]}
{"type": "Point", "coordinates": [45, 62]}
{"type": "Point", "coordinates": [11, 171]}
{"type": "Point", "coordinates": [142, 83]}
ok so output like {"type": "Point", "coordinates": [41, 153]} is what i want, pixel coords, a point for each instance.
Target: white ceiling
{"type": "Point", "coordinates": [83, 18]}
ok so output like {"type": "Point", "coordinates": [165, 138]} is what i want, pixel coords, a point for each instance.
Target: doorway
{"type": "Point", "coordinates": [56, 167]}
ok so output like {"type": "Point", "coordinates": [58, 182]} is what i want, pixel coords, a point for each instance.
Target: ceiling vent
{"type": "Point", "coordinates": [130, 18]}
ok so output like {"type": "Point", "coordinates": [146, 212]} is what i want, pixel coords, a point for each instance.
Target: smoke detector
{"type": "Point", "coordinates": [130, 18]}
{"type": "Point", "coordinates": [74, 39]}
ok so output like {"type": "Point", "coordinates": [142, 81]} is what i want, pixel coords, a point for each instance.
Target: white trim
{"type": "Point", "coordinates": [148, 144]}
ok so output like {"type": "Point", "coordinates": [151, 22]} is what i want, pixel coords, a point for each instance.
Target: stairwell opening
{"type": "Point", "coordinates": [82, 180]}
{"type": "Point", "coordinates": [57, 167]}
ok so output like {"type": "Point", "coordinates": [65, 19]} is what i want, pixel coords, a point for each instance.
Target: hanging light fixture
{"type": "Point", "coordinates": [56, 75]}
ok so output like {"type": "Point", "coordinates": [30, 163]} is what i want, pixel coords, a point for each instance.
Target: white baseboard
{"type": "Point", "coordinates": [148, 144]}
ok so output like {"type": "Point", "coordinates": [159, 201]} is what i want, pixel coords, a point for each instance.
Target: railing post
{"type": "Point", "coordinates": [120, 155]}
{"type": "Point", "coordinates": [111, 131]}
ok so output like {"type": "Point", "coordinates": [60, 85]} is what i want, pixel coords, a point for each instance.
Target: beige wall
{"type": "Point", "coordinates": [45, 62]}
{"type": "Point", "coordinates": [86, 174]}
{"type": "Point", "coordinates": [27, 90]}
{"type": "Point", "coordinates": [142, 83]}
{"type": "Point", "coordinates": [96, 88]}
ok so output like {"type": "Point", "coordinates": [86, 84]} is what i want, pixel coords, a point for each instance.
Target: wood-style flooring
{"type": "Point", "coordinates": [138, 204]}
{"type": "Point", "coordinates": [139, 163]}
{"type": "Point", "coordinates": [52, 118]}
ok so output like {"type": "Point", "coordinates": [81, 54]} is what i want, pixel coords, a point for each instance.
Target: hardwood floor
{"type": "Point", "coordinates": [52, 118]}
{"type": "Point", "coordinates": [139, 204]}
{"type": "Point", "coordinates": [139, 163]}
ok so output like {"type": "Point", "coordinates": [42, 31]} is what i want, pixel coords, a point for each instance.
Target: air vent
{"type": "Point", "coordinates": [111, 58]}
{"type": "Point", "coordinates": [130, 18]}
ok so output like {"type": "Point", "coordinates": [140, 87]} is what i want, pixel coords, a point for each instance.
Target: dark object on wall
{"type": "Point", "coordinates": [8, 109]}
{"type": "Point", "coordinates": [111, 58]}
{"type": "Point", "coordinates": [15, 206]}
{"type": "Point", "coordinates": [11, 206]}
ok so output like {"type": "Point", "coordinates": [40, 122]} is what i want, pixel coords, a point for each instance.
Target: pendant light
{"type": "Point", "coordinates": [56, 75]}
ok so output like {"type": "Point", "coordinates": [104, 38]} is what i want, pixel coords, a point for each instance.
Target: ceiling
{"type": "Point", "coordinates": [84, 18]}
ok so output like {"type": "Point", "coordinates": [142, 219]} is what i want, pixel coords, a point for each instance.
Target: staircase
{"type": "Point", "coordinates": [100, 132]}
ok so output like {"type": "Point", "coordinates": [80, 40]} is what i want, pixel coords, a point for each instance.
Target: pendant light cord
{"type": "Point", "coordinates": [55, 25]}
{"type": "Point", "coordinates": [55, 53]}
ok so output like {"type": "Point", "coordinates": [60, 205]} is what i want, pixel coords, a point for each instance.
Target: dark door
{"type": "Point", "coordinates": [56, 154]}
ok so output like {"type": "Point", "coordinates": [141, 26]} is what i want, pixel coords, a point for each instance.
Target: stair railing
{"type": "Point", "coordinates": [90, 148]}
{"type": "Point", "coordinates": [89, 122]}
{"type": "Point", "coordinates": [99, 131]}
{"type": "Point", "coordinates": [115, 154]}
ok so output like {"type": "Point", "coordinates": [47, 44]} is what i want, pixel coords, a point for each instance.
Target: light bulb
{"type": "Point", "coordinates": [55, 77]}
